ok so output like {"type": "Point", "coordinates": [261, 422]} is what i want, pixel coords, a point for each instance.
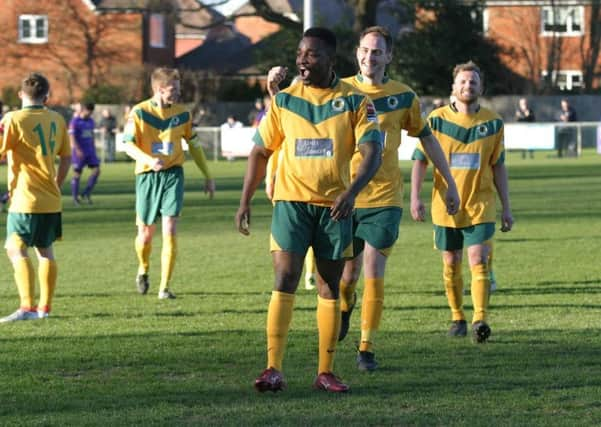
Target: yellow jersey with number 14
{"type": "Point", "coordinates": [32, 138]}
{"type": "Point", "coordinates": [472, 144]}
{"type": "Point", "coordinates": [317, 130]}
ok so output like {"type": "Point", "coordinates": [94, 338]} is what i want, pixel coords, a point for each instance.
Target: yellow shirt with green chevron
{"type": "Point", "coordinates": [318, 130]}
{"type": "Point", "coordinates": [159, 132]}
{"type": "Point", "coordinates": [473, 144]}
{"type": "Point", "coordinates": [398, 108]}
{"type": "Point", "coordinates": [32, 138]}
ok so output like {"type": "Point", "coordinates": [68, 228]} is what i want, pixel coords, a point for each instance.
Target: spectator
{"type": "Point", "coordinates": [108, 125]}
{"type": "Point", "coordinates": [567, 134]}
{"type": "Point", "coordinates": [257, 113]}
{"type": "Point", "coordinates": [231, 123]}
{"type": "Point", "coordinates": [525, 114]}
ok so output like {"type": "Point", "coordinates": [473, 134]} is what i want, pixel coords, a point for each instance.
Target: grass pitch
{"type": "Point", "coordinates": [109, 356]}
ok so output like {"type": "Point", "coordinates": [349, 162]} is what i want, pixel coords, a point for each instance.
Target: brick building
{"type": "Point", "coordinates": [79, 44]}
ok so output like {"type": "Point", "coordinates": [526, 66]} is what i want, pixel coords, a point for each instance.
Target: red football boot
{"type": "Point", "coordinates": [270, 380]}
{"type": "Point", "coordinates": [329, 382]}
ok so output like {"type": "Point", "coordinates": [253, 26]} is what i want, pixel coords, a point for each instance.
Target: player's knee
{"type": "Point", "coordinates": [15, 246]}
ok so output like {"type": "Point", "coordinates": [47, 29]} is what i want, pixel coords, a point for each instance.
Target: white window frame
{"type": "Point", "coordinates": [33, 38]}
{"type": "Point", "coordinates": [569, 81]}
{"type": "Point", "coordinates": [570, 32]}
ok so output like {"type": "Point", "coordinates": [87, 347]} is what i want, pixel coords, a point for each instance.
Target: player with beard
{"type": "Point", "coordinates": [377, 216]}
{"type": "Point", "coordinates": [472, 139]}
{"type": "Point", "coordinates": [317, 124]}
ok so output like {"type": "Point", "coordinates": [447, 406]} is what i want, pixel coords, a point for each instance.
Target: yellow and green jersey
{"type": "Point", "coordinates": [398, 108]}
{"type": "Point", "coordinates": [317, 130]}
{"type": "Point", "coordinates": [473, 144]}
{"type": "Point", "coordinates": [159, 132]}
{"type": "Point", "coordinates": [32, 138]}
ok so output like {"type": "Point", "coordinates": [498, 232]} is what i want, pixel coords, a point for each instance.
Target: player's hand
{"type": "Point", "coordinates": [243, 220]}
{"type": "Point", "coordinates": [156, 164]}
{"type": "Point", "coordinates": [275, 76]}
{"type": "Point", "coordinates": [78, 152]}
{"type": "Point", "coordinates": [269, 189]}
{"type": "Point", "coordinates": [452, 200]}
{"type": "Point", "coordinates": [343, 206]}
{"type": "Point", "coordinates": [418, 210]}
{"type": "Point", "coordinates": [210, 187]}
{"type": "Point", "coordinates": [506, 221]}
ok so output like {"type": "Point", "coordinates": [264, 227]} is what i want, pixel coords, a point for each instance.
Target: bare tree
{"type": "Point", "coordinates": [590, 45]}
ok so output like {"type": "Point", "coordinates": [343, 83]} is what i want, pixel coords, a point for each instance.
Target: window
{"type": "Point", "coordinates": [33, 29]}
{"type": "Point", "coordinates": [562, 20]}
{"type": "Point", "coordinates": [157, 30]}
{"type": "Point", "coordinates": [566, 79]}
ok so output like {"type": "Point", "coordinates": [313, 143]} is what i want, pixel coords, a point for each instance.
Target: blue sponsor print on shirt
{"type": "Point", "coordinates": [164, 148]}
{"type": "Point", "coordinates": [465, 160]}
{"type": "Point", "coordinates": [314, 147]}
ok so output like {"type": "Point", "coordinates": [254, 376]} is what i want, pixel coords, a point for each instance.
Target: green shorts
{"type": "Point", "coordinates": [453, 239]}
{"type": "Point", "coordinates": [159, 194]}
{"type": "Point", "coordinates": [297, 225]}
{"type": "Point", "coordinates": [377, 226]}
{"type": "Point", "coordinates": [39, 230]}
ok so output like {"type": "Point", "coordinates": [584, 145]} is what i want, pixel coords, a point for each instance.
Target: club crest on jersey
{"type": "Point", "coordinates": [371, 113]}
{"type": "Point", "coordinates": [482, 130]}
{"type": "Point", "coordinates": [174, 121]}
{"type": "Point", "coordinates": [338, 104]}
{"type": "Point", "coordinates": [392, 102]}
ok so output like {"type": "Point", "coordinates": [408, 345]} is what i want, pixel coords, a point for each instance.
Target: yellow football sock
{"type": "Point", "coordinates": [168, 255]}
{"type": "Point", "coordinates": [480, 291]}
{"type": "Point", "coordinates": [347, 294]}
{"type": "Point", "coordinates": [47, 274]}
{"type": "Point", "coordinates": [453, 284]}
{"type": "Point", "coordinates": [279, 316]}
{"type": "Point", "coordinates": [25, 280]}
{"type": "Point", "coordinates": [310, 261]}
{"type": "Point", "coordinates": [371, 311]}
{"type": "Point", "coordinates": [143, 252]}
{"type": "Point", "coordinates": [328, 324]}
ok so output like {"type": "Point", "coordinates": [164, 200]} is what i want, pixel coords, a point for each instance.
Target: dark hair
{"type": "Point", "coordinates": [323, 34]}
{"type": "Point", "coordinates": [35, 86]}
{"type": "Point", "coordinates": [88, 106]}
{"type": "Point", "coordinates": [382, 32]}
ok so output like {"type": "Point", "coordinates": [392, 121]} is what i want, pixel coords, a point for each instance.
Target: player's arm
{"type": "Point", "coordinates": [432, 148]}
{"type": "Point", "coordinates": [274, 77]}
{"type": "Point", "coordinates": [418, 173]}
{"type": "Point", "coordinates": [136, 153]}
{"type": "Point", "coordinates": [502, 186]}
{"type": "Point", "coordinates": [371, 153]}
{"type": "Point", "coordinates": [74, 144]}
{"type": "Point", "coordinates": [63, 169]}
{"type": "Point", "coordinates": [198, 155]}
{"type": "Point", "coordinates": [255, 172]}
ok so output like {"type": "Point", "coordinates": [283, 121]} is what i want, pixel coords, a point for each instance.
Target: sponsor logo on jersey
{"type": "Point", "coordinates": [314, 147]}
{"type": "Point", "coordinates": [465, 161]}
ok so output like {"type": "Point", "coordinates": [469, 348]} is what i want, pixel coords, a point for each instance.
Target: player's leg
{"type": "Point", "coordinates": [478, 253]}
{"type": "Point", "coordinates": [92, 179]}
{"type": "Point", "coordinates": [148, 204]}
{"type": "Point", "coordinates": [372, 304]}
{"type": "Point", "coordinates": [19, 232]}
{"type": "Point", "coordinates": [450, 242]}
{"type": "Point", "coordinates": [493, 279]}
{"type": "Point", "coordinates": [168, 255]}
{"type": "Point", "coordinates": [288, 244]}
{"type": "Point", "coordinates": [332, 244]}
{"type": "Point", "coordinates": [379, 229]}
{"type": "Point", "coordinates": [47, 275]}
{"type": "Point", "coordinates": [348, 292]}
{"type": "Point", "coordinates": [75, 177]}
{"type": "Point", "coordinates": [310, 270]}
{"type": "Point", "coordinates": [172, 198]}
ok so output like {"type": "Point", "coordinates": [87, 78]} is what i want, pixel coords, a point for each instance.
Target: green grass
{"type": "Point", "coordinates": [108, 356]}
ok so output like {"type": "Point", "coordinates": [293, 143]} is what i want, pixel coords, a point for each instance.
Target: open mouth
{"type": "Point", "coordinates": [303, 72]}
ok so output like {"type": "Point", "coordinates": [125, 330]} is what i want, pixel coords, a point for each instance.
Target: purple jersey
{"type": "Point", "coordinates": [83, 132]}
